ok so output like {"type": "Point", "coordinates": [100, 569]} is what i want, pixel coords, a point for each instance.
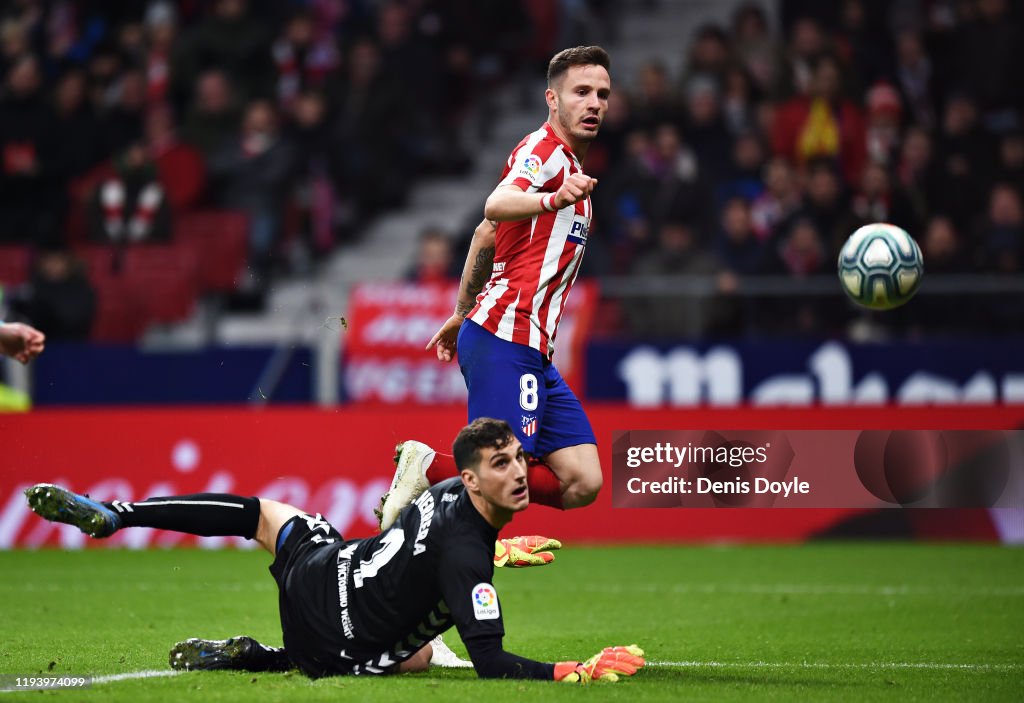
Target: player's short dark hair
{"type": "Point", "coordinates": [577, 56]}
{"type": "Point", "coordinates": [483, 432]}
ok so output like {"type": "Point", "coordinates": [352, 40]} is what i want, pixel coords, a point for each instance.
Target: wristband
{"type": "Point", "coordinates": [548, 202]}
{"type": "Point", "coordinates": [567, 672]}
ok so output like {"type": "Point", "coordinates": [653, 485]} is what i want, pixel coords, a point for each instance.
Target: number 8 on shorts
{"type": "Point", "coordinates": [528, 392]}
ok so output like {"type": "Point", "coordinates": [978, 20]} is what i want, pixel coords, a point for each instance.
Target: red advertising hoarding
{"type": "Point", "coordinates": [390, 324]}
{"type": "Point", "coordinates": [337, 462]}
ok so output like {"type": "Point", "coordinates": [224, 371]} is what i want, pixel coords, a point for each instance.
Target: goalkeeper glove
{"type": "Point", "coordinates": [533, 550]}
{"type": "Point", "coordinates": [607, 665]}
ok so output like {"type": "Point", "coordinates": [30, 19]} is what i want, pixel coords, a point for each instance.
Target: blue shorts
{"type": "Point", "coordinates": [515, 383]}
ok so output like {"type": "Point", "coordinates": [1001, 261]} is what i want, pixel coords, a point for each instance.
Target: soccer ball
{"type": "Point", "coordinates": [880, 266]}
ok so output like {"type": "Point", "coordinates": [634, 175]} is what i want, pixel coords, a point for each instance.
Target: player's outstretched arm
{"type": "Point", "coordinates": [21, 341]}
{"type": "Point", "coordinates": [607, 665]}
{"type": "Point", "coordinates": [509, 202]}
{"type": "Point", "coordinates": [475, 274]}
{"type": "Point", "coordinates": [491, 661]}
{"type": "Point", "coordinates": [464, 578]}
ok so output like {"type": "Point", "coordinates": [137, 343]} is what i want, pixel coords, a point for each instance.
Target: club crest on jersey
{"type": "Point", "coordinates": [578, 231]}
{"type": "Point", "coordinates": [485, 602]}
{"type": "Point", "coordinates": [529, 425]}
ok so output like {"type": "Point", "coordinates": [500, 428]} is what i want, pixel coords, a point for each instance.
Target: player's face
{"type": "Point", "coordinates": [501, 477]}
{"type": "Point", "coordinates": [579, 100]}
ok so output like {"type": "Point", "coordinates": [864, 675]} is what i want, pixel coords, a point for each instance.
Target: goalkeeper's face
{"type": "Point", "coordinates": [501, 476]}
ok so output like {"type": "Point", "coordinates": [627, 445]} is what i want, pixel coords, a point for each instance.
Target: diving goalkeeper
{"type": "Point", "coordinates": [368, 606]}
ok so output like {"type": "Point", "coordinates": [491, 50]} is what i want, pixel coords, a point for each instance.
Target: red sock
{"type": "Point", "coordinates": [545, 488]}
{"type": "Point", "coordinates": [442, 467]}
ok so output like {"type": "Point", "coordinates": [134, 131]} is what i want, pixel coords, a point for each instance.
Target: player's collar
{"type": "Point", "coordinates": [473, 515]}
{"type": "Point", "coordinates": [554, 135]}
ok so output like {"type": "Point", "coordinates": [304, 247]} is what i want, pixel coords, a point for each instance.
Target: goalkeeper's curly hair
{"type": "Point", "coordinates": [482, 432]}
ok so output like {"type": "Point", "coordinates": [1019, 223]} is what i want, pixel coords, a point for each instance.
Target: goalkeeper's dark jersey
{"type": "Point", "coordinates": [362, 606]}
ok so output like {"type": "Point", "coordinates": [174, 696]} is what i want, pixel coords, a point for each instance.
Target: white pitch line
{"type": "Point", "coordinates": [832, 665]}
{"type": "Point", "coordinates": [164, 673]}
{"type": "Point", "coordinates": [149, 674]}
{"type": "Point", "coordinates": [799, 589]}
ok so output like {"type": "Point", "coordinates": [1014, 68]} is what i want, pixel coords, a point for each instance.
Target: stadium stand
{"type": "Point", "coordinates": [217, 240]}
{"type": "Point", "coordinates": [807, 118]}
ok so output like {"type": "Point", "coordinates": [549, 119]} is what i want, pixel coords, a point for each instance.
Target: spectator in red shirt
{"type": "Point", "coordinates": [180, 166]}
{"type": "Point", "coordinates": [822, 123]}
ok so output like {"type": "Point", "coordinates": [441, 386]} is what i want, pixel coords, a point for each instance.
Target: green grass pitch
{"type": "Point", "coordinates": [818, 622]}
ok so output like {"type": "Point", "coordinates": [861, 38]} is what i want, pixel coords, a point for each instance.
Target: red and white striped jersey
{"type": "Point", "coordinates": [536, 260]}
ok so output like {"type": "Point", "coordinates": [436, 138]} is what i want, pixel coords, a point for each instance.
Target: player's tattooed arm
{"type": "Point", "coordinates": [475, 274]}
{"type": "Point", "coordinates": [478, 276]}
{"type": "Point", "coordinates": [478, 267]}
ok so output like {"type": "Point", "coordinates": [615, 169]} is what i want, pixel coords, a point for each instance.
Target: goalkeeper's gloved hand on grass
{"type": "Point", "coordinates": [532, 550]}
{"type": "Point", "coordinates": [607, 665]}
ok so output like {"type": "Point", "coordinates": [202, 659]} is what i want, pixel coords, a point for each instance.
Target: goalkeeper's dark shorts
{"type": "Point", "coordinates": [306, 569]}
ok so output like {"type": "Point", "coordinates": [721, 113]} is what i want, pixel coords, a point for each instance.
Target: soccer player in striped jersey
{"type": "Point", "coordinates": [523, 260]}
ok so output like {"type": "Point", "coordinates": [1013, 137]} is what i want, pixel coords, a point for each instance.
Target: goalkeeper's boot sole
{"type": "Point", "coordinates": [205, 655]}
{"type": "Point", "coordinates": [378, 512]}
{"type": "Point", "coordinates": [410, 480]}
{"type": "Point", "coordinates": [58, 504]}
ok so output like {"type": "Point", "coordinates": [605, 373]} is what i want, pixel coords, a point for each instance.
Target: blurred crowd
{"type": "Point", "coordinates": [772, 147]}
{"type": "Point", "coordinates": [763, 150]}
{"type": "Point", "coordinates": [756, 152]}
{"type": "Point", "coordinates": [310, 116]}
